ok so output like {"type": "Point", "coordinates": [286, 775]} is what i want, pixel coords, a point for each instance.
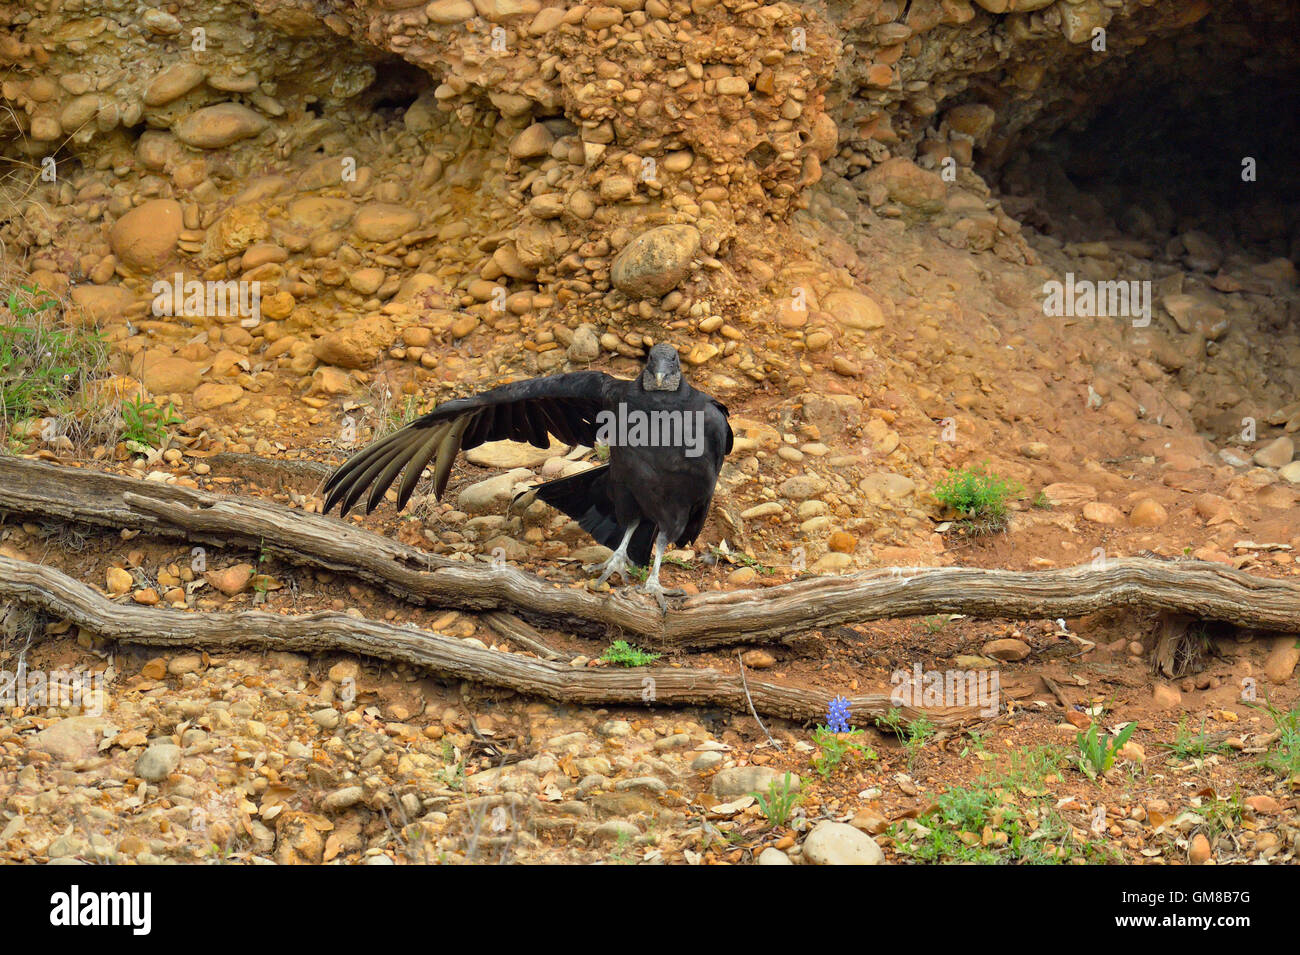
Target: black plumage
{"type": "Point", "coordinates": [655, 489]}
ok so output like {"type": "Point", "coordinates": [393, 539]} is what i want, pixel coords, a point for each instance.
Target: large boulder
{"type": "Point", "coordinates": [853, 310]}
{"type": "Point", "coordinates": [904, 182]}
{"type": "Point", "coordinates": [652, 264]}
{"type": "Point", "coordinates": [99, 303]}
{"type": "Point", "coordinates": [383, 222]}
{"type": "Point", "coordinates": [145, 238]}
{"type": "Point", "coordinates": [71, 739]}
{"type": "Point", "coordinates": [357, 346]}
{"type": "Point", "coordinates": [214, 127]}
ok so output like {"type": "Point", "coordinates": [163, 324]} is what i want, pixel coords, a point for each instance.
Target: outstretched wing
{"type": "Point", "coordinates": [563, 405]}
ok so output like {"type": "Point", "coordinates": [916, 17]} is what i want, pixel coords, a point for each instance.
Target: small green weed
{"type": "Point", "coordinates": [146, 423]}
{"type": "Point", "coordinates": [833, 747]}
{"type": "Point", "coordinates": [978, 496]}
{"type": "Point", "coordinates": [1188, 745]}
{"type": "Point", "coordinates": [623, 654]}
{"type": "Point", "coordinates": [779, 801]}
{"type": "Point", "coordinates": [1283, 757]}
{"type": "Point", "coordinates": [1097, 755]}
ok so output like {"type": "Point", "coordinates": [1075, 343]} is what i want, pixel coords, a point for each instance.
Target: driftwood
{"type": "Point", "coordinates": [512, 628]}
{"type": "Point", "coordinates": [1198, 589]}
{"type": "Point", "coordinates": [54, 592]}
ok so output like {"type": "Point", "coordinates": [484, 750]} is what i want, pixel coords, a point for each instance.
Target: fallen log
{"type": "Point", "coordinates": [55, 593]}
{"type": "Point", "coordinates": [1198, 589]}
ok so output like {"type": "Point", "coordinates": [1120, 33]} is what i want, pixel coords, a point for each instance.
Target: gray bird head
{"type": "Point", "coordinates": [663, 370]}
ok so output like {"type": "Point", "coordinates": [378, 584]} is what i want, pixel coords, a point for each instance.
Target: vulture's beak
{"type": "Point", "coordinates": [659, 379]}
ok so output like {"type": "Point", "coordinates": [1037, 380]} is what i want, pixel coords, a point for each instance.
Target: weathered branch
{"type": "Point", "coordinates": [58, 594]}
{"type": "Point", "coordinates": [512, 628]}
{"type": "Point", "coordinates": [1201, 590]}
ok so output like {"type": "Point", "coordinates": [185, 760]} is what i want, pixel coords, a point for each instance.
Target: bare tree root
{"type": "Point", "coordinates": [1197, 589]}
{"type": "Point", "coordinates": [55, 593]}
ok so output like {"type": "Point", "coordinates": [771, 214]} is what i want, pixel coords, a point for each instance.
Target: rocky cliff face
{"type": "Point", "coordinates": [845, 211]}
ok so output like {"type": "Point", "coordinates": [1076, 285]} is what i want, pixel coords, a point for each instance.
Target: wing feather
{"type": "Point", "coordinates": [447, 451]}
{"type": "Point", "coordinates": [423, 453]}
{"type": "Point", "coordinates": [563, 405]}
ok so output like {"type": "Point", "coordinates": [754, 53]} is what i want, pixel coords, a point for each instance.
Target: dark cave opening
{"type": "Point", "coordinates": [397, 85]}
{"type": "Point", "coordinates": [1193, 157]}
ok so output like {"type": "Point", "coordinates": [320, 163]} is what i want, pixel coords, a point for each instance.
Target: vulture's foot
{"type": "Point", "coordinates": [660, 593]}
{"type": "Point", "coordinates": [617, 564]}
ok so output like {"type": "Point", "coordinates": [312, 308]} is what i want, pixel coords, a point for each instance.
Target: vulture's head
{"type": "Point", "coordinates": [663, 370]}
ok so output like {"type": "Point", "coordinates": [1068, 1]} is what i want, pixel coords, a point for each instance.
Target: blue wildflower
{"type": "Point", "coordinates": [837, 719]}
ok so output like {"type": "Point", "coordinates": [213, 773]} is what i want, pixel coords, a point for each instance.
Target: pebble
{"type": "Point", "coordinates": [492, 494]}
{"type": "Point", "coordinates": [1148, 513]}
{"type": "Point", "coordinates": [158, 762]}
{"type": "Point", "coordinates": [342, 799]}
{"type": "Point", "coordinates": [232, 580]}
{"type": "Point", "coordinates": [1200, 852]}
{"type": "Point", "coordinates": [835, 843]}
{"type": "Point", "coordinates": [739, 781]}
{"type": "Point", "coordinates": [704, 762]}
{"type": "Point", "coordinates": [616, 831]}
{"type": "Point", "coordinates": [72, 738]}
{"type": "Point", "coordinates": [118, 581]}
{"type": "Point", "coordinates": [1008, 649]}
{"type": "Point", "coordinates": [185, 663]}
{"type": "Point", "coordinates": [1165, 697]}
{"type": "Point", "coordinates": [1276, 454]}
{"type": "Point", "coordinates": [327, 718]}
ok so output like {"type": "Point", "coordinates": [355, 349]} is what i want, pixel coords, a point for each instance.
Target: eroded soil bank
{"type": "Point", "coordinates": [847, 217]}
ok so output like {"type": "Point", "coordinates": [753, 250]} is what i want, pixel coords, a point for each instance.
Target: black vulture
{"type": "Point", "coordinates": [666, 445]}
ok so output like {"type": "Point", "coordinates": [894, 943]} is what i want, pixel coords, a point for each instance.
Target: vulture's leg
{"type": "Point", "coordinates": [617, 563]}
{"type": "Point", "coordinates": [652, 585]}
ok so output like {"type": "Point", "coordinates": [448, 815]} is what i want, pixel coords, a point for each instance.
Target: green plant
{"type": "Point", "coordinates": [984, 824]}
{"type": "Point", "coordinates": [621, 853]}
{"type": "Point", "coordinates": [833, 747]}
{"type": "Point", "coordinates": [978, 496]}
{"type": "Point", "coordinates": [1283, 757]}
{"type": "Point", "coordinates": [892, 721]}
{"type": "Point", "coordinates": [919, 732]}
{"type": "Point", "coordinates": [1032, 765]}
{"type": "Point", "coordinates": [623, 654]}
{"type": "Point", "coordinates": [403, 415]}
{"type": "Point", "coordinates": [25, 300]}
{"type": "Point", "coordinates": [1221, 815]}
{"type": "Point", "coordinates": [914, 734]}
{"type": "Point", "coordinates": [452, 771]}
{"type": "Point", "coordinates": [1097, 755]}
{"type": "Point", "coordinates": [41, 366]}
{"type": "Point", "coordinates": [976, 743]}
{"type": "Point", "coordinates": [1187, 745]}
{"type": "Point", "coordinates": [145, 423]}
{"type": "Point", "coordinates": [778, 803]}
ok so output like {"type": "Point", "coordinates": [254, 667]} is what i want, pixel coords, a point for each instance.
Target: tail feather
{"type": "Point", "coordinates": [585, 498]}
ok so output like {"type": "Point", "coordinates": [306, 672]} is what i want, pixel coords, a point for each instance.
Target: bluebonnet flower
{"type": "Point", "coordinates": [837, 719]}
